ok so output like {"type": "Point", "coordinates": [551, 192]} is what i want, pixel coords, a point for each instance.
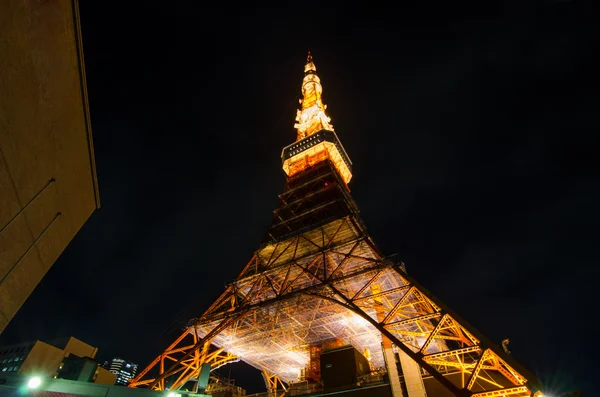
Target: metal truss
{"type": "Point", "coordinates": [331, 282]}
{"type": "Point", "coordinates": [275, 386]}
{"type": "Point", "coordinates": [185, 357]}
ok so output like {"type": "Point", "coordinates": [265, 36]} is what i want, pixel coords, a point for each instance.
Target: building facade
{"type": "Point", "coordinates": [48, 185]}
{"type": "Point", "coordinates": [123, 369]}
{"type": "Point", "coordinates": [67, 358]}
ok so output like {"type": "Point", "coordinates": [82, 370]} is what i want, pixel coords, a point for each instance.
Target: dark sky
{"type": "Point", "coordinates": [472, 138]}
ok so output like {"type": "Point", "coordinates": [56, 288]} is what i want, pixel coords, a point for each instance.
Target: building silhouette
{"type": "Point", "coordinates": [48, 185]}
{"type": "Point", "coordinates": [319, 308]}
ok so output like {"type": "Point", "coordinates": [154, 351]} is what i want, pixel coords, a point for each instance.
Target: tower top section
{"type": "Point", "coordinates": [311, 118]}
{"type": "Point", "coordinates": [316, 140]}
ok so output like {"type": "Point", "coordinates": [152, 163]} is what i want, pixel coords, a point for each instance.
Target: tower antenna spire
{"type": "Point", "coordinates": [316, 141]}
{"type": "Point", "coordinates": [311, 118]}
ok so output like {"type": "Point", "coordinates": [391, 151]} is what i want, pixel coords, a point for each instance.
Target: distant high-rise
{"type": "Point", "coordinates": [124, 370]}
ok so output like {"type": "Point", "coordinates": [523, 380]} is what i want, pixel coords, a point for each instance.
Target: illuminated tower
{"type": "Point", "coordinates": [318, 282]}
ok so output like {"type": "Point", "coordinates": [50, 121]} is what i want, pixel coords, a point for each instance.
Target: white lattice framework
{"type": "Point", "coordinates": [330, 283]}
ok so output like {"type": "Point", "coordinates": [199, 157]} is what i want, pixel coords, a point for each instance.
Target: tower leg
{"type": "Point", "coordinates": [412, 376]}
{"type": "Point", "coordinates": [388, 350]}
{"type": "Point", "coordinates": [203, 378]}
{"type": "Point", "coordinates": [273, 383]}
{"type": "Point", "coordinates": [392, 369]}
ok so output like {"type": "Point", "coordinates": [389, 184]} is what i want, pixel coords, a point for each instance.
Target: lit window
{"type": "Point", "coordinates": [4, 369]}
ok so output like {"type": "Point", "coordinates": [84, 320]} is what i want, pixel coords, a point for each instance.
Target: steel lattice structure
{"type": "Point", "coordinates": [317, 276]}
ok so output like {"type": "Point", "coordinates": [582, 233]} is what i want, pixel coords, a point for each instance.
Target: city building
{"type": "Point", "coordinates": [67, 358]}
{"type": "Point", "coordinates": [84, 369]}
{"type": "Point", "coordinates": [125, 370]}
{"type": "Point", "coordinates": [320, 310]}
{"type": "Point", "coordinates": [48, 179]}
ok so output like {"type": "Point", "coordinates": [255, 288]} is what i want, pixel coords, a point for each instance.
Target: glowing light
{"type": "Point", "coordinates": [358, 321]}
{"type": "Point", "coordinates": [314, 155]}
{"type": "Point", "coordinates": [34, 382]}
{"type": "Point", "coordinates": [298, 357]}
{"type": "Point", "coordinates": [311, 118]}
{"type": "Point", "coordinates": [172, 394]}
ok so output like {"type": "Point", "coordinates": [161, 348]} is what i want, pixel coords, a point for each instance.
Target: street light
{"type": "Point", "coordinates": [34, 382]}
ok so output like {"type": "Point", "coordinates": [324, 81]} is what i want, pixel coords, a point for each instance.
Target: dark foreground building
{"type": "Point", "coordinates": [48, 186]}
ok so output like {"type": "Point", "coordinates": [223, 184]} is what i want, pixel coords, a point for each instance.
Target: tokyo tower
{"type": "Point", "coordinates": [319, 308]}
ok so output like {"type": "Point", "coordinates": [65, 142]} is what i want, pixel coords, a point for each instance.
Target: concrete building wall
{"type": "Point", "coordinates": [43, 360]}
{"type": "Point", "coordinates": [105, 377]}
{"type": "Point", "coordinates": [79, 348]}
{"type": "Point", "coordinates": [48, 186]}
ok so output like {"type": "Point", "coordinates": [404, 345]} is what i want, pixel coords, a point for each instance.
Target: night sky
{"type": "Point", "coordinates": [472, 140]}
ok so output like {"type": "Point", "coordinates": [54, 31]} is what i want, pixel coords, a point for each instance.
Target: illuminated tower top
{"type": "Point", "coordinates": [316, 140]}
{"type": "Point", "coordinates": [312, 117]}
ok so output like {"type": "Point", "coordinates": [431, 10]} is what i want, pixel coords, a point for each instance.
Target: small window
{"type": "Point", "coordinates": [4, 369]}
{"type": "Point", "coordinates": [10, 360]}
